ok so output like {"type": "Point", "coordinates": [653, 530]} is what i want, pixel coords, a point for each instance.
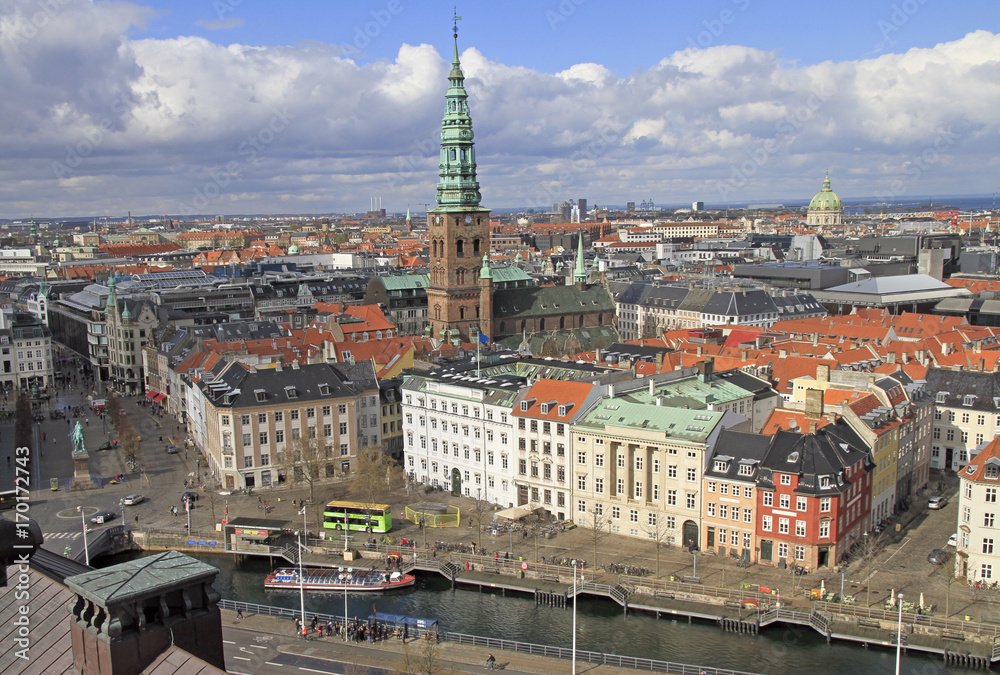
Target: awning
{"type": "Point", "coordinates": [514, 513]}
{"type": "Point", "coordinates": [152, 394]}
{"type": "Point", "coordinates": [158, 398]}
{"type": "Point", "coordinates": [417, 621]}
{"type": "Point", "coordinates": [251, 534]}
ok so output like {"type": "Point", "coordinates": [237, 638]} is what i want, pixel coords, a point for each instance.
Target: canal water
{"type": "Point", "coordinates": [601, 625]}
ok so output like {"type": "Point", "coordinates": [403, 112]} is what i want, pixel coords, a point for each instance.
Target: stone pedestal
{"type": "Point", "coordinates": [81, 472]}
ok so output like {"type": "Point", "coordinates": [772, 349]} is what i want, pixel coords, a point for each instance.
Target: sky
{"type": "Point", "coordinates": [245, 106]}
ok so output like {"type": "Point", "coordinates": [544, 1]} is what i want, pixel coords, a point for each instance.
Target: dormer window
{"type": "Point", "coordinates": [324, 389]}
{"type": "Point", "coordinates": [824, 482]}
{"type": "Point", "coordinates": [746, 469]}
{"type": "Point", "coordinates": [969, 399]}
{"type": "Point", "coordinates": [544, 408]}
{"type": "Point", "coordinates": [941, 397]}
{"type": "Point", "coordinates": [991, 473]}
{"type": "Point", "coordinates": [721, 465]}
{"type": "Point", "coordinates": [526, 403]}
{"type": "Point", "coordinates": [564, 409]}
{"type": "Point", "coordinates": [291, 392]}
{"type": "Point", "coordinates": [260, 395]}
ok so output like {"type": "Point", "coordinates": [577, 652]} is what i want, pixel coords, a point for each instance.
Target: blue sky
{"type": "Point", "coordinates": [553, 35]}
{"type": "Point", "coordinates": [244, 106]}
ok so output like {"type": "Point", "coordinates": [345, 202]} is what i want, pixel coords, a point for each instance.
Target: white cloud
{"type": "Point", "coordinates": [96, 121]}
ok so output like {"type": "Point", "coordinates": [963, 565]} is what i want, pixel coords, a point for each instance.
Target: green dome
{"type": "Point", "coordinates": [826, 199]}
{"type": "Point", "coordinates": [293, 250]}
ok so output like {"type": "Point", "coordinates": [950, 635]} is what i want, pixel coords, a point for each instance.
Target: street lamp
{"type": "Point", "coordinates": [899, 632]}
{"type": "Point", "coordinates": [83, 522]}
{"type": "Point", "coordinates": [345, 577]}
{"type": "Point", "coordinates": [121, 503]}
{"type": "Point", "coordinates": [302, 581]}
{"type": "Point", "coordinates": [573, 670]}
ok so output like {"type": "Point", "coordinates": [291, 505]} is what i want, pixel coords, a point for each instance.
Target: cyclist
{"type": "Point", "coordinates": [491, 662]}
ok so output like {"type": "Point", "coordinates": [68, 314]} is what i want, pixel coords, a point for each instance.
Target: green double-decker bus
{"type": "Point", "coordinates": [357, 516]}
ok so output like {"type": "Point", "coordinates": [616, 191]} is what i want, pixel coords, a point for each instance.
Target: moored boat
{"type": "Point", "coordinates": [329, 579]}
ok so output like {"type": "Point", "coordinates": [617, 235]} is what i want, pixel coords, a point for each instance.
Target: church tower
{"type": "Point", "coordinates": [459, 228]}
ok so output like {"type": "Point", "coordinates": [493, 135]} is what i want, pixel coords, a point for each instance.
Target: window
{"type": "Point", "coordinates": [672, 497]}
{"type": "Point", "coordinates": [800, 552]}
{"type": "Point", "coordinates": [783, 525]}
{"type": "Point", "coordinates": [991, 494]}
{"type": "Point", "coordinates": [966, 514]}
{"type": "Point", "coordinates": [293, 415]}
{"type": "Point", "coordinates": [988, 545]}
{"type": "Point", "coordinates": [768, 499]}
{"type": "Point", "coordinates": [225, 420]}
{"type": "Point", "coordinates": [824, 505]}
{"type": "Point", "coordinates": [656, 492]}
{"type": "Point", "coordinates": [616, 512]}
{"type": "Point", "coordinates": [723, 511]}
{"type": "Point", "coordinates": [986, 571]}
{"type": "Point", "coordinates": [522, 467]}
{"type": "Point", "coordinates": [621, 486]}
{"type": "Point", "coordinates": [748, 515]}
{"type": "Point", "coordinates": [800, 528]}
{"type": "Point", "coordinates": [638, 463]}
{"type": "Point", "coordinates": [691, 500]}
{"type": "Point", "coordinates": [598, 459]}
{"type": "Point", "coordinates": [656, 466]}
{"type": "Point", "coordinates": [824, 529]}
{"type": "Point", "coordinates": [342, 428]}
{"type": "Point", "coordinates": [244, 420]}
{"type": "Point", "coordinates": [599, 485]}
{"type": "Point", "coordinates": [633, 516]}
{"type": "Point", "coordinates": [766, 523]}
{"type": "Point", "coordinates": [581, 483]}
{"type": "Point", "coordinates": [581, 506]}
{"type": "Point", "coordinates": [263, 437]}
{"type": "Point", "coordinates": [692, 474]}
{"type": "Point", "coordinates": [638, 489]}
{"type": "Point", "coordinates": [279, 436]}
{"type": "Point", "coordinates": [988, 519]}
{"type": "Point", "coordinates": [326, 410]}
{"type": "Point", "coordinates": [672, 471]}
{"type": "Point", "coordinates": [581, 458]}
{"type": "Point", "coordinates": [621, 461]}
{"type": "Point", "coordinates": [800, 504]}
{"type": "Point", "coordinates": [784, 501]}
{"type": "Point", "coordinates": [786, 479]}
{"type": "Point", "coordinates": [711, 509]}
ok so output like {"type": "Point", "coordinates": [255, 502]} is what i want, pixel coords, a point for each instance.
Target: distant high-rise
{"type": "Point", "coordinates": [697, 206]}
{"type": "Point", "coordinates": [581, 204]}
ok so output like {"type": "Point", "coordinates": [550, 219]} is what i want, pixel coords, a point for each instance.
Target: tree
{"type": "Point", "coordinates": [478, 512]}
{"type": "Point", "coordinates": [871, 546]}
{"type": "Point", "coordinates": [113, 409]}
{"type": "Point", "coordinates": [22, 421]}
{"type": "Point", "coordinates": [423, 657]}
{"type": "Point", "coordinates": [306, 462]}
{"type": "Point", "coordinates": [659, 535]}
{"type": "Point", "coordinates": [375, 474]}
{"type": "Point", "coordinates": [534, 524]}
{"type": "Point", "coordinates": [130, 442]}
{"type": "Point", "coordinates": [598, 522]}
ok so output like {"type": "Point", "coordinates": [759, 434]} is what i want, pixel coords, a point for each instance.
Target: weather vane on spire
{"type": "Point", "coordinates": [455, 20]}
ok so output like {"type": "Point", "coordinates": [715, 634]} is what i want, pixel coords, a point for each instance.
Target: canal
{"type": "Point", "coordinates": [601, 625]}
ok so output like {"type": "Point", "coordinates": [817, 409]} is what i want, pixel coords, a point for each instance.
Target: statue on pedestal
{"type": "Point", "coordinates": [77, 437]}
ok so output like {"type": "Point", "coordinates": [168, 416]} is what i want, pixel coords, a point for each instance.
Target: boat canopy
{"type": "Point", "coordinates": [404, 620]}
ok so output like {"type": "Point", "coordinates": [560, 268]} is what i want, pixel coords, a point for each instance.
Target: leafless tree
{"type": "Point", "coordinates": [376, 473]}
{"type": "Point", "coordinates": [423, 657]}
{"type": "Point", "coordinates": [871, 546]}
{"type": "Point", "coordinates": [659, 535]}
{"type": "Point", "coordinates": [478, 512]}
{"type": "Point", "coordinates": [598, 522]}
{"type": "Point", "coordinates": [306, 462]}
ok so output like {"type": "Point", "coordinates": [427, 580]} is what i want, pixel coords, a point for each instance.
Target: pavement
{"type": "Point", "coordinates": [261, 644]}
{"type": "Point", "coordinates": [902, 565]}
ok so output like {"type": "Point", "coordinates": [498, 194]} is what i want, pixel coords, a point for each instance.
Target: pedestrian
{"type": "Point", "coordinates": [43, 435]}
{"type": "Point", "coordinates": [137, 519]}
{"type": "Point", "coordinates": [239, 612]}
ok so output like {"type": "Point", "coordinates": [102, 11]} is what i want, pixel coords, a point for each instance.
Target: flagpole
{"type": "Point", "coordinates": [479, 341]}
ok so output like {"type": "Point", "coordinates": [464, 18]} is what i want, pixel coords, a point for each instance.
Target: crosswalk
{"type": "Point", "coordinates": [61, 535]}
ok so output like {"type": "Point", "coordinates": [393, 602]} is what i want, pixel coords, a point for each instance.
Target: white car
{"type": "Point", "coordinates": [132, 500]}
{"type": "Point", "coordinates": [953, 540]}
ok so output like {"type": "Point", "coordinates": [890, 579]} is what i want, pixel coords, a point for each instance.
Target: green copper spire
{"type": "Point", "coordinates": [457, 189]}
{"type": "Point", "coordinates": [580, 273]}
{"type": "Point", "coordinates": [485, 272]}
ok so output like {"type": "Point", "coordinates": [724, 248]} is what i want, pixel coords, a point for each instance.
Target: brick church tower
{"type": "Point", "coordinates": [459, 228]}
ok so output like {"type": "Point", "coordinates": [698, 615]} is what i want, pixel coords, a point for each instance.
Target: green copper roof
{"type": "Point", "coordinates": [457, 189]}
{"type": "Point", "coordinates": [826, 199]}
{"type": "Point", "coordinates": [505, 275]}
{"type": "Point", "coordinates": [484, 271]}
{"type": "Point", "coordinates": [674, 423]}
{"type": "Point", "coordinates": [691, 392]}
{"type": "Point", "coordinates": [580, 273]}
{"type": "Point", "coordinates": [404, 282]}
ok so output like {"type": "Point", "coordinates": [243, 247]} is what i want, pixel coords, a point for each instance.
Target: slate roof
{"type": "Point", "coordinates": [742, 447]}
{"type": "Point", "coordinates": [737, 303]}
{"type": "Point", "coordinates": [555, 301]}
{"type": "Point", "coordinates": [233, 385]}
{"type": "Point", "coordinates": [811, 456]}
{"type": "Point", "coordinates": [957, 384]}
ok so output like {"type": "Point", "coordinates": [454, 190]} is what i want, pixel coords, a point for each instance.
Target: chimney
{"type": "Point", "coordinates": [700, 350]}
{"type": "Point", "coordinates": [652, 387]}
{"type": "Point", "coordinates": [125, 616]}
{"type": "Point", "coordinates": [706, 369]}
{"type": "Point", "coordinates": [890, 357]}
{"type": "Point", "coordinates": [814, 404]}
{"type": "Point", "coordinates": [659, 361]}
{"type": "Point", "coordinates": [823, 372]}
{"type": "Point", "coordinates": [659, 401]}
{"type": "Point", "coordinates": [812, 427]}
{"type": "Point", "coordinates": [782, 353]}
{"type": "Point", "coordinates": [906, 357]}
{"type": "Point", "coordinates": [745, 355]}
{"type": "Point", "coordinates": [982, 365]}
{"type": "Point", "coordinates": [815, 338]}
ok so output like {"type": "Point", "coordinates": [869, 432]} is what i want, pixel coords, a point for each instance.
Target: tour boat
{"type": "Point", "coordinates": [330, 579]}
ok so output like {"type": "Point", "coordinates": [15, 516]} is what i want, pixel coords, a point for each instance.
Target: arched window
{"type": "Point", "coordinates": [475, 246]}
{"type": "Point", "coordinates": [524, 324]}
{"type": "Point", "coordinates": [437, 312]}
{"type": "Point", "coordinates": [600, 319]}
{"type": "Point", "coordinates": [562, 322]}
{"type": "Point", "coordinates": [581, 321]}
{"type": "Point", "coordinates": [460, 247]}
{"type": "Point", "coordinates": [541, 324]}
{"type": "Point", "coordinates": [461, 312]}
{"type": "Point", "coordinates": [453, 154]}
{"type": "Point", "coordinates": [503, 327]}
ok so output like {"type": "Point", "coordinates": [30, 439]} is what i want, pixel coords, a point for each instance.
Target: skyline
{"type": "Point", "coordinates": [230, 107]}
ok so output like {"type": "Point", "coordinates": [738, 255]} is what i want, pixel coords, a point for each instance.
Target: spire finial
{"type": "Point", "coordinates": [454, 30]}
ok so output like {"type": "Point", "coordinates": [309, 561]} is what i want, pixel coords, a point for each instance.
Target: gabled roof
{"type": "Point", "coordinates": [554, 393]}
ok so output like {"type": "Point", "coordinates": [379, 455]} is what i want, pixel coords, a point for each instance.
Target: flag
{"type": "Point", "coordinates": [302, 511]}
{"type": "Point", "coordinates": [482, 338]}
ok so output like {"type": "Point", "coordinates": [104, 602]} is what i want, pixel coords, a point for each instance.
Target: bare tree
{"type": "Point", "coordinates": [113, 409]}
{"type": "Point", "coordinates": [478, 512]}
{"type": "Point", "coordinates": [130, 441]}
{"type": "Point", "coordinates": [598, 522]}
{"type": "Point", "coordinates": [871, 546]}
{"type": "Point", "coordinates": [375, 474]}
{"type": "Point", "coordinates": [306, 461]}
{"type": "Point", "coordinates": [659, 535]}
{"type": "Point", "coordinates": [534, 524]}
{"type": "Point", "coordinates": [423, 657]}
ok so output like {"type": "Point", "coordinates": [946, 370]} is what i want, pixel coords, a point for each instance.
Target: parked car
{"type": "Point", "coordinates": [132, 500]}
{"type": "Point", "coordinates": [193, 496]}
{"type": "Point", "coordinates": [102, 517]}
{"type": "Point", "coordinates": [937, 556]}
{"type": "Point", "coordinates": [953, 540]}
{"type": "Point", "coordinates": [171, 449]}
{"type": "Point", "coordinates": [936, 502]}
